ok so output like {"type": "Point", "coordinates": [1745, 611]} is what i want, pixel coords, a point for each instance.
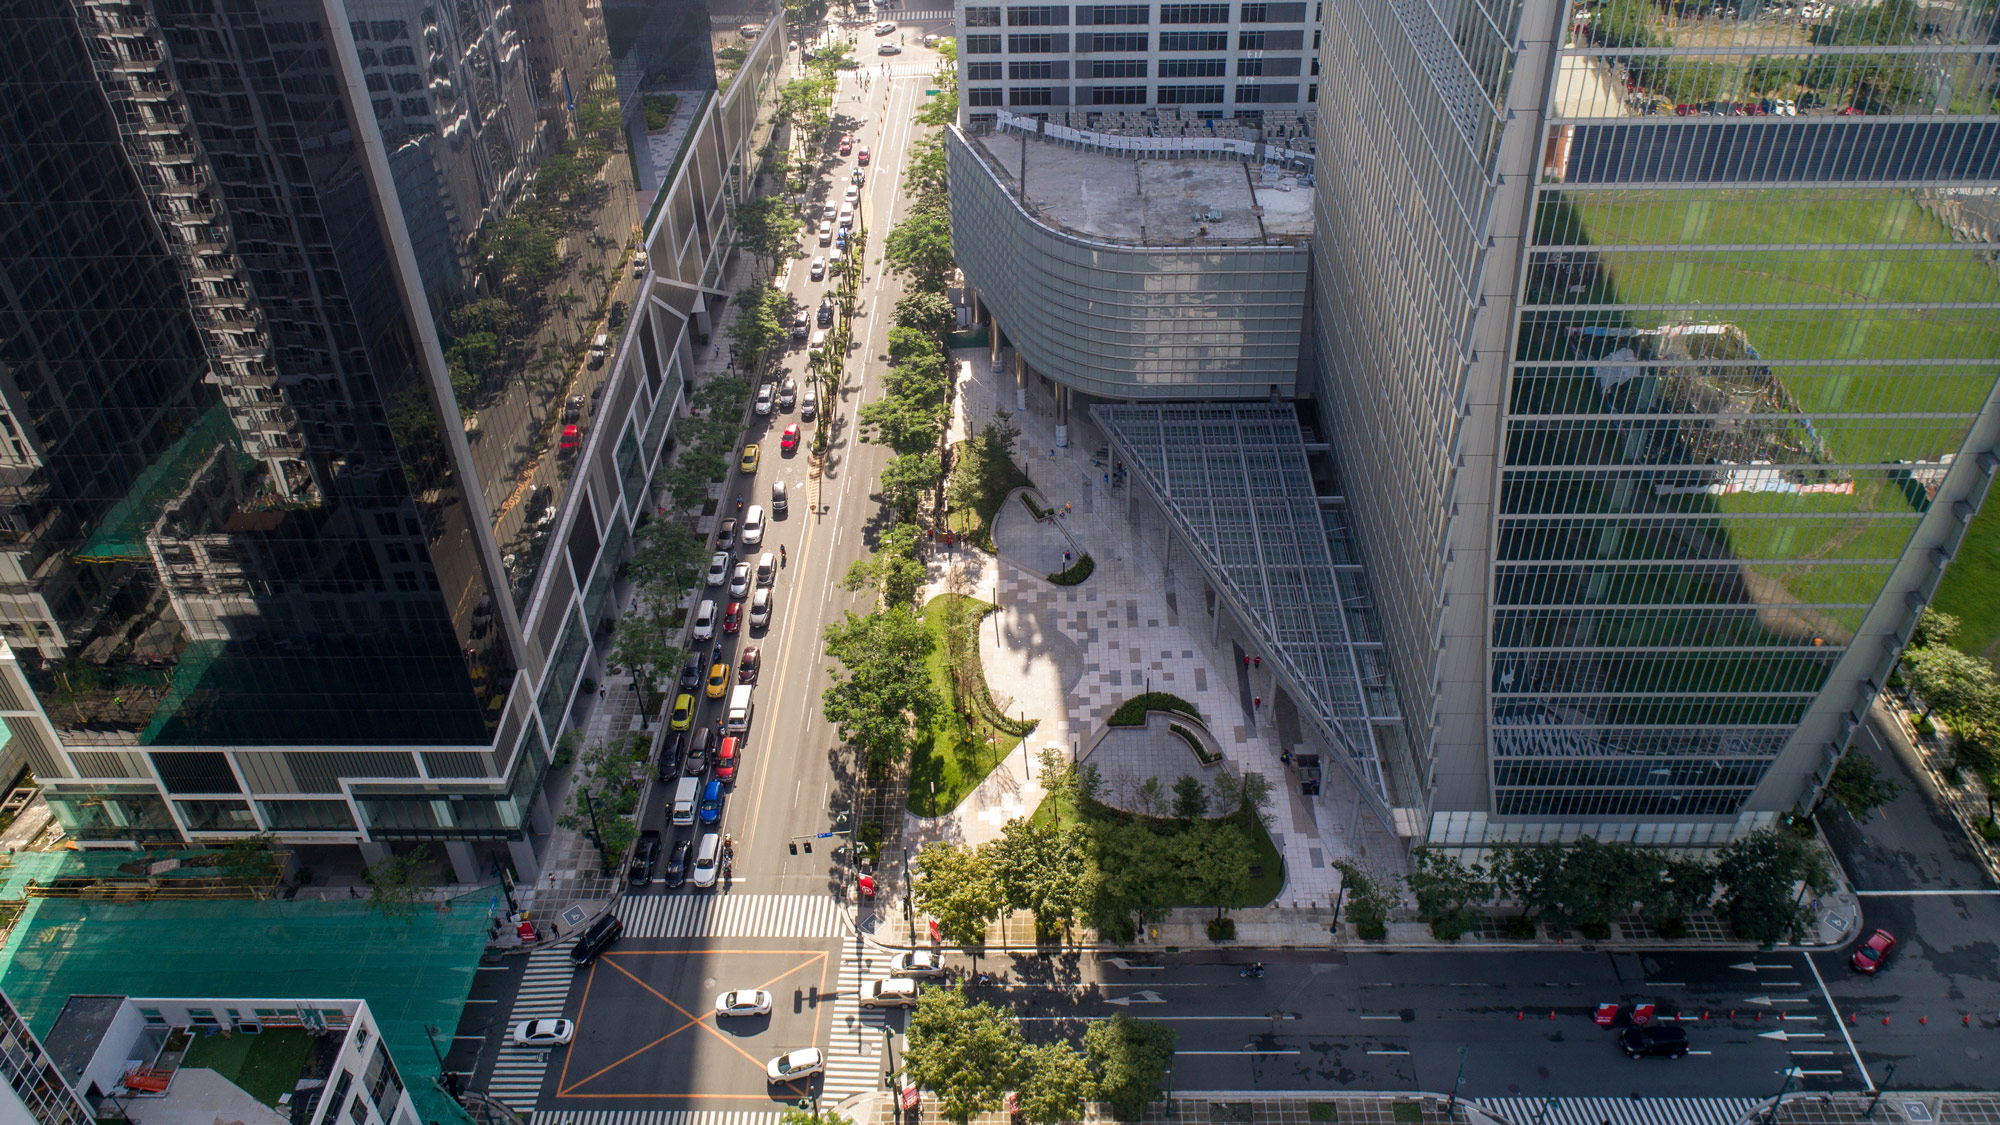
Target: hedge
{"type": "Point", "coordinates": [1132, 712]}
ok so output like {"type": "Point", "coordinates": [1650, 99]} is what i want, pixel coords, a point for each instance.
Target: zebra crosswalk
{"type": "Point", "coordinates": [518, 1071]}
{"type": "Point", "coordinates": [854, 1038]}
{"type": "Point", "coordinates": [1618, 1111]}
{"type": "Point", "coordinates": [901, 16]}
{"type": "Point", "coordinates": [655, 1117]}
{"type": "Point", "coordinates": [732, 915]}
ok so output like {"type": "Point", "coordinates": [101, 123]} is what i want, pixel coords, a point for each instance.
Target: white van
{"type": "Point", "coordinates": [740, 709]}
{"type": "Point", "coordinates": [704, 620]}
{"type": "Point", "coordinates": [686, 791]}
{"type": "Point", "coordinates": [707, 860]}
{"type": "Point", "coordinates": [753, 533]}
{"type": "Point", "coordinates": [778, 497]}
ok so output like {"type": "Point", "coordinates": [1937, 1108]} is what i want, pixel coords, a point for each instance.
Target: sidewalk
{"type": "Point", "coordinates": [1965, 802]}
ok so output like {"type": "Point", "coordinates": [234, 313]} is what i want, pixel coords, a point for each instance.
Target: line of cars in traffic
{"type": "Point", "coordinates": [898, 990]}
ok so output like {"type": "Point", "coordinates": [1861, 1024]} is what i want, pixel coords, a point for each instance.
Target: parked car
{"type": "Point", "coordinates": [1870, 954]}
{"type": "Point", "coordinates": [718, 568]}
{"type": "Point", "coordinates": [683, 716]}
{"type": "Point", "coordinates": [572, 437]}
{"type": "Point", "coordinates": [746, 669]}
{"type": "Point", "coordinates": [542, 1033]}
{"type": "Point", "coordinates": [743, 1002]}
{"type": "Point", "coordinates": [795, 1065]}
{"type": "Point", "coordinates": [1664, 1041]}
{"type": "Point", "coordinates": [573, 408]}
{"type": "Point", "coordinates": [645, 854]}
{"type": "Point", "coordinates": [921, 963]}
{"type": "Point", "coordinates": [639, 264]}
{"type": "Point", "coordinates": [617, 313]}
{"type": "Point", "coordinates": [895, 992]}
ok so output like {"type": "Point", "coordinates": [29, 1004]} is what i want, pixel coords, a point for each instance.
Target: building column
{"type": "Point", "coordinates": [374, 852]}
{"type": "Point", "coordinates": [1020, 383]}
{"type": "Point", "coordinates": [527, 865]}
{"type": "Point", "coordinates": [464, 864]}
{"type": "Point", "coordinates": [539, 817]}
{"type": "Point", "coordinates": [1062, 416]}
{"type": "Point", "coordinates": [1215, 632]}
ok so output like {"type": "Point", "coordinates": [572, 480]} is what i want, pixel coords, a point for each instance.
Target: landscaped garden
{"type": "Point", "coordinates": [968, 738]}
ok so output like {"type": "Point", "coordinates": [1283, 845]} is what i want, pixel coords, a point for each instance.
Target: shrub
{"type": "Point", "coordinates": [1222, 929]}
{"type": "Point", "coordinates": [1990, 828]}
{"type": "Point", "coordinates": [1368, 904]}
{"type": "Point", "coordinates": [1040, 513]}
{"type": "Point", "coordinates": [1078, 571]}
{"type": "Point", "coordinates": [1671, 928]}
{"type": "Point", "coordinates": [1519, 928]}
{"type": "Point", "coordinates": [1451, 927]}
{"type": "Point", "coordinates": [1132, 712]}
{"type": "Point", "coordinates": [1194, 744]}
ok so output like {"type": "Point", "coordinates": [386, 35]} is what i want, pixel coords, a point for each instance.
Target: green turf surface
{"type": "Point", "coordinates": [265, 1065]}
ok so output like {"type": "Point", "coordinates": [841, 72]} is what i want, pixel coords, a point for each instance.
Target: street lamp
{"type": "Point", "coordinates": [1451, 1103]}
{"type": "Point", "coordinates": [1879, 1091]}
{"type": "Point", "coordinates": [889, 1046]}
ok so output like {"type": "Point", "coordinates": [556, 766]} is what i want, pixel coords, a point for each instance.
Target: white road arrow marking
{"type": "Point", "coordinates": [1752, 966]}
{"type": "Point", "coordinates": [1767, 1001]}
{"type": "Point", "coordinates": [1143, 997]}
{"type": "Point", "coordinates": [1787, 1036]}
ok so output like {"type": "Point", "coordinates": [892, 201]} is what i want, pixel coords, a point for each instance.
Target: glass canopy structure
{"type": "Point", "coordinates": [1233, 480]}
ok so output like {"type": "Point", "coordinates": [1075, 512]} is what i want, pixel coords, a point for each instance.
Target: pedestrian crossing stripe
{"type": "Point", "coordinates": [1618, 1111]}
{"type": "Point", "coordinates": [516, 1081]}
{"type": "Point", "coordinates": [854, 1041]}
{"type": "Point", "coordinates": [927, 14]}
{"type": "Point", "coordinates": [655, 1117]}
{"type": "Point", "coordinates": [733, 916]}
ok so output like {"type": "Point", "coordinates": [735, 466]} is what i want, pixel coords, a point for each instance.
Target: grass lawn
{"type": "Point", "coordinates": [955, 754]}
{"type": "Point", "coordinates": [1971, 588]}
{"type": "Point", "coordinates": [265, 1065]}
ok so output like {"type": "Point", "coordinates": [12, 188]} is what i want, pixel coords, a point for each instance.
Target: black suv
{"type": "Point", "coordinates": [644, 856]}
{"type": "Point", "coordinates": [601, 933]}
{"type": "Point", "coordinates": [826, 316]}
{"type": "Point", "coordinates": [1654, 1042]}
{"type": "Point", "coordinates": [617, 313]}
{"type": "Point", "coordinates": [677, 863]}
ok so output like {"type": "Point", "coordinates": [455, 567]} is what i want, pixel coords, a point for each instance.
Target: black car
{"type": "Point", "coordinates": [699, 748]}
{"type": "Point", "coordinates": [691, 674]}
{"type": "Point", "coordinates": [601, 933]}
{"type": "Point", "coordinates": [670, 755]}
{"type": "Point", "coordinates": [1654, 1042]}
{"type": "Point", "coordinates": [573, 408]}
{"type": "Point", "coordinates": [644, 855]}
{"type": "Point", "coordinates": [617, 313]}
{"type": "Point", "coordinates": [677, 863]}
{"type": "Point", "coordinates": [826, 316]}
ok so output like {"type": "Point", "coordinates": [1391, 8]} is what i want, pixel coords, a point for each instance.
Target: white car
{"type": "Point", "coordinates": [895, 992]}
{"type": "Point", "coordinates": [760, 609]}
{"type": "Point", "coordinates": [743, 1002]}
{"type": "Point", "coordinates": [765, 394]}
{"type": "Point", "coordinates": [704, 620]}
{"type": "Point", "coordinates": [818, 268]}
{"type": "Point", "coordinates": [718, 568]}
{"type": "Point", "coordinates": [852, 193]}
{"type": "Point", "coordinates": [921, 963]}
{"type": "Point", "coordinates": [886, 27]}
{"type": "Point", "coordinates": [826, 232]}
{"type": "Point", "coordinates": [739, 580]}
{"type": "Point", "coordinates": [542, 1033]}
{"type": "Point", "coordinates": [801, 1063]}
{"type": "Point", "coordinates": [888, 49]}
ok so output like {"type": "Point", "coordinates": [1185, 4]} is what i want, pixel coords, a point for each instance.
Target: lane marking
{"type": "Point", "coordinates": [1926, 893]}
{"type": "Point", "coordinates": [1397, 1018]}
{"type": "Point", "coordinates": [1251, 1051]}
{"type": "Point", "coordinates": [1838, 1022]}
{"type": "Point", "coordinates": [1388, 1052]}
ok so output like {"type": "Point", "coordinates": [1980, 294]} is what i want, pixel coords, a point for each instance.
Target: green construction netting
{"type": "Point", "coordinates": [121, 535]}
{"type": "Point", "coordinates": [413, 972]}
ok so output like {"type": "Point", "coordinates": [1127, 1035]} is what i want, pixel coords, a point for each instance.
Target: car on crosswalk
{"type": "Point", "coordinates": [793, 1065]}
{"type": "Point", "coordinates": [543, 1033]}
{"type": "Point", "coordinates": [894, 992]}
{"type": "Point", "coordinates": [743, 1002]}
{"type": "Point", "coordinates": [918, 963]}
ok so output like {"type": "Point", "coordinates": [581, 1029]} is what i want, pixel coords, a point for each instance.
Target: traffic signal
{"type": "Point", "coordinates": [809, 847]}
{"type": "Point", "coordinates": [795, 847]}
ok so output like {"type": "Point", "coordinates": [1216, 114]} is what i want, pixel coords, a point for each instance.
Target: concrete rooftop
{"type": "Point", "coordinates": [1098, 195]}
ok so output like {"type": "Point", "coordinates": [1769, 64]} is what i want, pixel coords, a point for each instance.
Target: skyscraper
{"type": "Point", "coordinates": [294, 302]}
{"type": "Point", "coordinates": [1659, 345]}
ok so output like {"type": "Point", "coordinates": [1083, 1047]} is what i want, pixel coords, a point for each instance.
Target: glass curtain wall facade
{"type": "Point", "coordinates": [1740, 380]}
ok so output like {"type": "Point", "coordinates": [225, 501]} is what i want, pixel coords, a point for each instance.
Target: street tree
{"type": "Point", "coordinates": [926, 311]}
{"type": "Point", "coordinates": [793, 1115]}
{"type": "Point", "coordinates": [1857, 785]}
{"type": "Point", "coordinates": [967, 1054]}
{"type": "Point", "coordinates": [894, 572]}
{"type": "Point", "coordinates": [1130, 1059]}
{"type": "Point", "coordinates": [904, 424]}
{"type": "Point", "coordinates": [1245, 796]}
{"type": "Point", "coordinates": [759, 323]}
{"type": "Point", "coordinates": [920, 247]}
{"type": "Point", "coordinates": [1055, 1083]}
{"type": "Point", "coordinates": [642, 643]}
{"type": "Point", "coordinates": [1040, 868]}
{"type": "Point", "coordinates": [1136, 881]}
{"type": "Point", "coordinates": [1950, 681]}
{"type": "Point", "coordinates": [1760, 874]}
{"type": "Point", "coordinates": [252, 859]}
{"type": "Point", "coordinates": [1595, 883]}
{"type": "Point", "coordinates": [1530, 875]}
{"type": "Point", "coordinates": [1368, 903]}
{"type": "Point", "coordinates": [1933, 628]}
{"type": "Point", "coordinates": [1190, 798]}
{"type": "Point", "coordinates": [768, 227]}
{"type": "Point", "coordinates": [1680, 887]}
{"type": "Point", "coordinates": [666, 558]}
{"type": "Point", "coordinates": [906, 480]}
{"type": "Point", "coordinates": [1446, 891]}
{"type": "Point", "coordinates": [883, 687]}
{"type": "Point", "coordinates": [956, 887]}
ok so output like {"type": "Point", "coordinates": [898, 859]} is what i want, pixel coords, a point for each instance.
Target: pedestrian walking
{"type": "Point", "coordinates": [1257, 661]}
{"type": "Point", "coordinates": [1256, 702]}
{"type": "Point", "coordinates": [1246, 662]}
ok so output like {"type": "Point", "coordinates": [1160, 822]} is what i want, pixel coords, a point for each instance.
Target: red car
{"type": "Point", "coordinates": [862, 157]}
{"type": "Point", "coordinates": [571, 438]}
{"type": "Point", "coordinates": [746, 672]}
{"type": "Point", "coordinates": [846, 143]}
{"type": "Point", "coordinates": [789, 443]}
{"type": "Point", "coordinates": [1873, 952]}
{"type": "Point", "coordinates": [732, 619]}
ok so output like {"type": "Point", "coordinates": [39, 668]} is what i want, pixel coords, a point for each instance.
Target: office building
{"type": "Point", "coordinates": [1659, 353]}
{"type": "Point", "coordinates": [35, 1090]}
{"type": "Point", "coordinates": [1217, 62]}
{"type": "Point", "coordinates": [292, 342]}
